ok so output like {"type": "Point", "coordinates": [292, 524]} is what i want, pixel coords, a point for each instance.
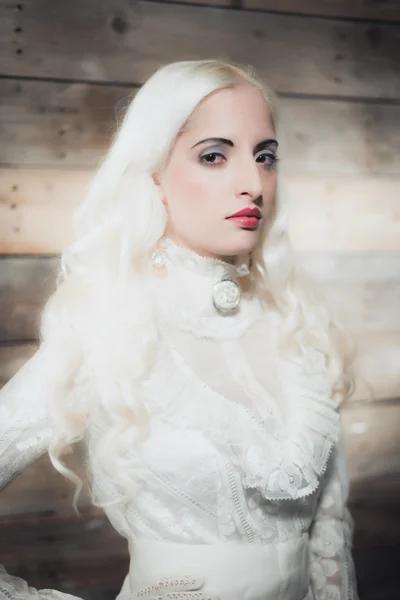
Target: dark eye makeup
{"type": "Point", "coordinates": [213, 158]}
{"type": "Point", "coordinates": [267, 158]}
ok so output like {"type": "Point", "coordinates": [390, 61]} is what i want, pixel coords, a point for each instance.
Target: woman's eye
{"type": "Point", "coordinates": [212, 158]}
{"type": "Point", "coordinates": [267, 158]}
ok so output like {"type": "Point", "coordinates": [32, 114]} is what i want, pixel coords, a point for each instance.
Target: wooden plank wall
{"type": "Point", "coordinates": [67, 72]}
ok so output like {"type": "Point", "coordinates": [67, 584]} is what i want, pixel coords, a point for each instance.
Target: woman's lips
{"type": "Point", "coordinates": [248, 212]}
{"type": "Point", "coordinates": [247, 217]}
{"type": "Point", "coordinates": [247, 222]}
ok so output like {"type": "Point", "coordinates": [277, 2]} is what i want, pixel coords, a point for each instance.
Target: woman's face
{"type": "Point", "coordinates": [222, 162]}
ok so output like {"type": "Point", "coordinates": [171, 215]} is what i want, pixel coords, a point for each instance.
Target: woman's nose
{"type": "Point", "coordinates": [248, 180]}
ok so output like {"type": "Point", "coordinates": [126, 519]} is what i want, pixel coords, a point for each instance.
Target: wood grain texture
{"type": "Point", "coordinates": [372, 439]}
{"type": "Point", "coordinates": [81, 556]}
{"type": "Point", "coordinates": [124, 40]}
{"type": "Point", "coordinates": [343, 215]}
{"type": "Point", "coordinates": [25, 285]}
{"type": "Point", "coordinates": [364, 290]}
{"type": "Point", "coordinates": [12, 358]}
{"type": "Point", "coordinates": [338, 138]}
{"type": "Point", "coordinates": [327, 214]}
{"type": "Point", "coordinates": [40, 489]}
{"type": "Point", "coordinates": [36, 209]}
{"type": "Point", "coordinates": [376, 365]}
{"type": "Point", "coordinates": [378, 566]}
{"type": "Point", "coordinates": [61, 124]}
{"type": "Point", "coordinates": [356, 9]}
{"type": "Point", "coordinates": [224, 3]}
{"type": "Point", "coordinates": [68, 125]}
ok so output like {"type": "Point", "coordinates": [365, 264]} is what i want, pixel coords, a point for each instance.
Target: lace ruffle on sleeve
{"type": "Point", "coordinates": [25, 432]}
{"type": "Point", "coordinates": [332, 568]}
{"type": "Point", "coordinates": [14, 588]}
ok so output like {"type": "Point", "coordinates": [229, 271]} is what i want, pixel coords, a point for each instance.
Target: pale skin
{"type": "Point", "coordinates": [204, 182]}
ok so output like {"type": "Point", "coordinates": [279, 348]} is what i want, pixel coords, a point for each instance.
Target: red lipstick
{"type": "Point", "coordinates": [247, 217]}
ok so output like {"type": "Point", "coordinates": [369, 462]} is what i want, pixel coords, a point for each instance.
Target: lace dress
{"type": "Point", "coordinates": [242, 480]}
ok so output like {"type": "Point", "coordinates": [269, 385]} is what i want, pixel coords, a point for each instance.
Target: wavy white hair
{"type": "Point", "coordinates": [99, 321]}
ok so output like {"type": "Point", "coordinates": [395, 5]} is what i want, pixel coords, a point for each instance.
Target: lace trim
{"type": "Point", "coordinates": [213, 267]}
{"type": "Point", "coordinates": [286, 466]}
{"type": "Point", "coordinates": [240, 506]}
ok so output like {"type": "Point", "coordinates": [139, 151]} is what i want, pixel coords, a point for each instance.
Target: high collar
{"type": "Point", "coordinates": [213, 268]}
{"type": "Point", "coordinates": [184, 289]}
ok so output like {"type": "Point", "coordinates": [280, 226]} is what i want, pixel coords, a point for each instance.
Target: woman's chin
{"type": "Point", "coordinates": [246, 240]}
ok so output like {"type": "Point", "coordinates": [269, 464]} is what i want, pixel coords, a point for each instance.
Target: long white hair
{"type": "Point", "coordinates": [99, 320]}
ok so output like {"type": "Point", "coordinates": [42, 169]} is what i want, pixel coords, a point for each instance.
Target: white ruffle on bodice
{"type": "Point", "coordinates": [244, 450]}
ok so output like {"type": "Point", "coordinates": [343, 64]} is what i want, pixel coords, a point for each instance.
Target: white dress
{"type": "Point", "coordinates": [242, 480]}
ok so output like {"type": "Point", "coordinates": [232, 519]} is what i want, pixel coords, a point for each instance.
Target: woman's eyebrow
{"type": "Point", "coordinates": [227, 142]}
{"type": "Point", "coordinates": [265, 143]}
{"type": "Point", "coordinates": [215, 139]}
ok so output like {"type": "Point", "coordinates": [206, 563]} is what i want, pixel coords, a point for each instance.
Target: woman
{"type": "Point", "coordinates": [186, 356]}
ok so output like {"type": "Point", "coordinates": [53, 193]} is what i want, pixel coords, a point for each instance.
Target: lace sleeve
{"type": "Point", "coordinates": [25, 432]}
{"type": "Point", "coordinates": [332, 568]}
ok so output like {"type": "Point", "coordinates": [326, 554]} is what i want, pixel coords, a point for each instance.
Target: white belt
{"type": "Point", "coordinates": [232, 570]}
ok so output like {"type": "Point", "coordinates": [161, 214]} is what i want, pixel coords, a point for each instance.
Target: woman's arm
{"type": "Point", "coordinates": [332, 568]}
{"type": "Point", "coordinates": [25, 429]}
{"type": "Point", "coordinates": [25, 432]}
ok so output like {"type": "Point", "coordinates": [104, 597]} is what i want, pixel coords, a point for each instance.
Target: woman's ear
{"type": "Point", "coordinates": [157, 182]}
